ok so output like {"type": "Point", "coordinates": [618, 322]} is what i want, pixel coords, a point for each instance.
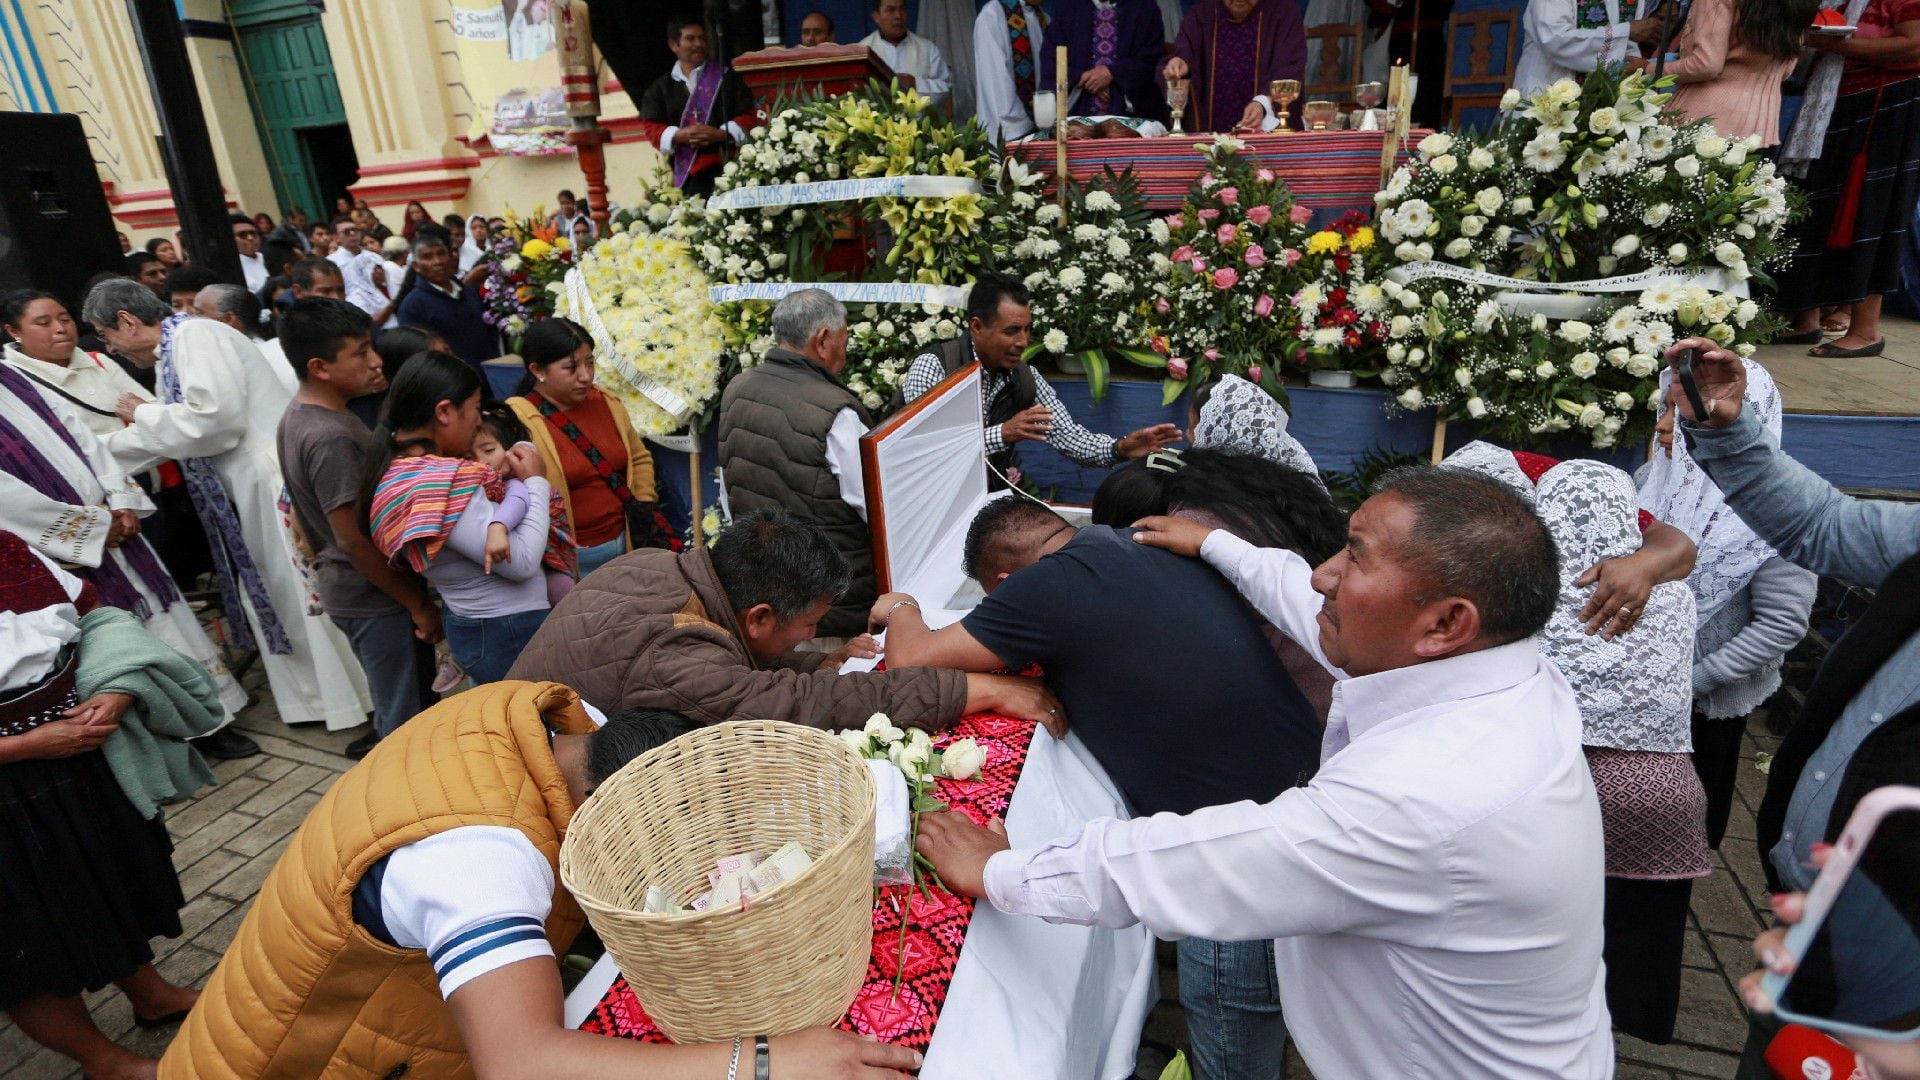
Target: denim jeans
{"type": "Point", "coordinates": [487, 647]}
{"type": "Point", "coordinates": [1232, 997]}
{"type": "Point", "coordinates": [399, 667]}
{"type": "Point", "coordinates": [593, 558]}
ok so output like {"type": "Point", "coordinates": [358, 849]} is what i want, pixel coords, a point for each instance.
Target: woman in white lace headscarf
{"type": "Point", "coordinates": [1753, 605]}
{"type": "Point", "coordinates": [1231, 413]}
{"type": "Point", "coordinates": [1635, 692]}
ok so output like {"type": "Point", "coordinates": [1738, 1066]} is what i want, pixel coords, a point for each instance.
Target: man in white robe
{"type": "Point", "coordinates": [1565, 38]}
{"type": "Point", "coordinates": [229, 408]}
{"type": "Point", "coordinates": [82, 534]}
{"type": "Point", "coordinates": [998, 102]}
{"type": "Point", "coordinates": [909, 54]}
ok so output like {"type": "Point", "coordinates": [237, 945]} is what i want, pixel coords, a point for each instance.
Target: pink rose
{"type": "Point", "coordinates": [1229, 196]}
{"type": "Point", "coordinates": [1182, 253]}
{"type": "Point", "coordinates": [1259, 214]}
{"type": "Point", "coordinates": [1290, 256]}
{"type": "Point", "coordinates": [1209, 180]}
{"type": "Point", "coordinates": [1212, 355]}
{"type": "Point", "coordinates": [1162, 306]}
{"type": "Point", "coordinates": [1265, 176]}
{"type": "Point", "coordinates": [1226, 277]}
{"type": "Point", "coordinates": [1198, 264]}
{"type": "Point", "coordinates": [1253, 373]}
{"type": "Point", "coordinates": [1175, 221]}
{"type": "Point", "coordinates": [1300, 214]}
{"type": "Point", "coordinates": [1176, 368]}
{"type": "Point", "coordinates": [1263, 307]}
{"type": "Point", "coordinates": [1227, 233]}
{"type": "Point", "coordinates": [1256, 256]}
{"type": "Point", "coordinates": [1209, 215]}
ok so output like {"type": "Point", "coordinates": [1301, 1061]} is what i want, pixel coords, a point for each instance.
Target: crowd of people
{"type": "Point", "coordinates": [1446, 767]}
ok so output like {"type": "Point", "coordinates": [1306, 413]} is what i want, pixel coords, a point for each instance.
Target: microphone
{"type": "Point", "coordinates": [1800, 1053]}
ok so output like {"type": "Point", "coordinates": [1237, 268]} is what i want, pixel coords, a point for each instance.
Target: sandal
{"type": "Point", "coordinates": [1810, 337]}
{"type": "Point", "coordinates": [1830, 351]}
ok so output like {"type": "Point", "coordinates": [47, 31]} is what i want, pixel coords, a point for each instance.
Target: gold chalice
{"type": "Point", "coordinates": [1284, 93]}
{"type": "Point", "coordinates": [1177, 102]}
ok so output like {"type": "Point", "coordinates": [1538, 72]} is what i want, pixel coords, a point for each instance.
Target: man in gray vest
{"type": "Point", "coordinates": [1019, 403]}
{"type": "Point", "coordinates": [790, 440]}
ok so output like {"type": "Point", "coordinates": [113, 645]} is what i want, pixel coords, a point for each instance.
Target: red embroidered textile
{"type": "Point", "coordinates": [937, 921]}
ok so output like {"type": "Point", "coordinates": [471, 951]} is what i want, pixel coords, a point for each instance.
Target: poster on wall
{"type": "Point", "coordinates": [512, 73]}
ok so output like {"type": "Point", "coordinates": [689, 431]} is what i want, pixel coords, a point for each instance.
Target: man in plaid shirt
{"type": "Point", "coordinates": [1019, 404]}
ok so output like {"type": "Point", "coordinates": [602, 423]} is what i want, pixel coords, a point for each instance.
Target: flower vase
{"type": "Point", "coordinates": [1070, 364]}
{"type": "Point", "coordinates": [1339, 379]}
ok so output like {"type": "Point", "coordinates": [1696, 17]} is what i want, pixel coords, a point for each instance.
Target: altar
{"type": "Point", "coordinates": [1330, 172]}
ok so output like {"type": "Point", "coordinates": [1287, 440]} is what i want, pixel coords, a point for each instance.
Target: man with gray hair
{"type": "Point", "coordinates": [217, 414]}
{"type": "Point", "coordinates": [790, 440]}
{"type": "Point", "coordinates": [1436, 889]}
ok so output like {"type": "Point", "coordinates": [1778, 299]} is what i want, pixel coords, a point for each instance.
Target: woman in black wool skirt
{"type": "Point", "coordinates": [87, 882]}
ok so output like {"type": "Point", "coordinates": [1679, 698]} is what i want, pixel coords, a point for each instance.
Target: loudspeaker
{"type": "Point", "coordinates": [55, 229]}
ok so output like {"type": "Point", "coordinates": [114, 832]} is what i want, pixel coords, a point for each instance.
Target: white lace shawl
{"type": "Point", "coordinates": [1241, 417]}
{"type": "Point", "coordinates": [1635, 691]}
{"type": "Point", "coordinates": [1679, 492]}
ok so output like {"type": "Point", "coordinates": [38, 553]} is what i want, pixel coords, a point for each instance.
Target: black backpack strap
{"type": "Point", "coordinates": [70, 398]}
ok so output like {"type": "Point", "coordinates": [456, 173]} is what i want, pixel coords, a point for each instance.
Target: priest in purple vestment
{"type": "Point", "coordinates": [1231, 50]}
{"type": "Point", "coordinates": [1113, 47]}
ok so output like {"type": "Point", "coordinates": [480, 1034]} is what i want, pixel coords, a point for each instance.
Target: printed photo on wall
{"type": "Point", "coordinates": [529, 28]}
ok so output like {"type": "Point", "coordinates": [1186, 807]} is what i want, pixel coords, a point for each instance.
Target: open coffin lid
{"type": "Point", "coordinates": [926, 477]}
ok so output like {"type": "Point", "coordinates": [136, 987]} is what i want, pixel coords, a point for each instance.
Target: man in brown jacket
{"type": "Point", "coordinates": [713, 636]}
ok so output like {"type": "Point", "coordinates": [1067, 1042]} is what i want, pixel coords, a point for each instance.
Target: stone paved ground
{"type": "Point", "coordinates": [227, 840]}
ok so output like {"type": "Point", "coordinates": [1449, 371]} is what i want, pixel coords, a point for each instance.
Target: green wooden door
{"type": "Point", "coordinates": [292, 87]}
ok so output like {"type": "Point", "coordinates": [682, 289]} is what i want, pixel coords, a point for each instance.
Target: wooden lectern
{"type": "Point", "coordinates": [834, 69]}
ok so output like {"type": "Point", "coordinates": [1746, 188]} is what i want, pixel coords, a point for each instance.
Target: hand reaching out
{"type": "Point", "coordinates": [959, 849]}
{"type": "Point", "coordinates": [1147, 440]}
{"type": "Point", "coordinates": [1178, 535]}
{"type": "Point", "coordinates": [125, 406]}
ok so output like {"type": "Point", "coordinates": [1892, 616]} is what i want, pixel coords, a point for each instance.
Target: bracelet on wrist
{"type": "Point", "coordinates": [887, 618]}
{"type": "Point", "coordinates": [733, 1064]}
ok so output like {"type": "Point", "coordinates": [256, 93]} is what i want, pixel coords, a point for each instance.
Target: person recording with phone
{"type": "Point", "coordinates": [1856, 728]}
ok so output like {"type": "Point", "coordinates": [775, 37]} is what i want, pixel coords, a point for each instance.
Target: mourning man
{"type": "Point", "coordinates": [318, 276]}
{"type": "Point", "coordinates": [816, 29]}
{"type": "Point", "coordinates": [414, 923]}
{"type": "Point", "coordinates": [444, 305]}
{"type": "Point", "coordinates": [1189, 725]}
{"type": "Point", "coordinates": [915, 61]}
{"type": "Point", "coordinates": [790, 440]}
{"type": "Point", "coordinates": [696, 113]}
{"type": "Point", "coordinates": [713, 635]}
{"type": "Point", "coordinates": [1436, 889]}
{"type": "Point", "coordinates": [1019, 404]}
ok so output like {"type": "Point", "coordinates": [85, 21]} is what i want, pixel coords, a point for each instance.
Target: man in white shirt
{"type": "Point", "coordinates": [1569, 38]}
{"type": "Point", "coordinates": [365, 272]}
{"type": "Point", "coordinates": [246, 237]}
{"type": "Point", "coordinates": [915, 60]}
{"type": "Point", "coordinates": [790, 439]}
{"type": "Point", "coordinates": [1436, 889]}
{"type": "Point", "coordinates": [1007, 39]}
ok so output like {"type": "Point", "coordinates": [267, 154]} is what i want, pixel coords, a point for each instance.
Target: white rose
{"type": "Point", "coordinates": [1523, 205]}
{"type": "Point", "coordinates": [1445, 164]}
{"type": "Point", "coordinates": [1480, 159]}
{"type": "Point", "coordinates": [1396, 352]}
{"type": "Point", "coordinates": [1436, 144]}
{"type": "Point", "coordinates": [1657, 215]}
{"type": "Point", "coordinates": [1463, 377]}
{"type": "Point", "coordinates": [1412, 398]}
{"type": "Point", "coordinates": [1406, 252]}
{"type": "Point", "coordinates": [1688, 166]}
{"type": "Point", "coordinates": [1401, 326]}
{"type": "Point", "coordinates": [964, 758]}
{"type": "Point", "coordinates": [1459, 248]}
{"type": "Point", "coordinates": [1575, 331]}
{"type": "Point", "coordinates": [1592, 415]}
{"type": "Point", "coordinates": [1677, 253]}
{"type": "Point", "coordinates": [1424, 249]}
{"type": "Point", "coordinates": [1736, 156]}
{"type": "Point", "coordinates": [1640, 366]}
{"type": "Point", "coordinates": [1585, 365]}
{"type": "Point", "coordinates": [1745, 312]}
{"type": "Point", "coordinates": [880, 729]}
{"type": "Point", "coordinates": [1744, 231]}
{"type": "Point", "coordinates": [1545, 369]}
{"type": "Point", "coordinates": [856, 741]}
{"type": "Point", "coordinates": [1623, 401]}
{"type": "Point", "coordinates": [1509, 100]}
{"type": "Point", "coordinates": [1488, 199]}
{"type": "Point", "coordinates": [1538, 323]}
{"type": "Point", "coordinates": [1626, 245]}
{"type": "Point", "coordinates": [1728, 254]}
{"type": "Point", "coordinates": [1476, 408]}
{"type": "Point", "coordinates": [1472, 225]}
{"type": "Point", "coordinates": [1603, 120]}
{"type": "Point", "coordinates": [1710, 146]}
{"type": "Point", "coordinates": [1055, 341]}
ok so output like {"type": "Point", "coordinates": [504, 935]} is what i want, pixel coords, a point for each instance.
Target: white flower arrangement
{"type": "Point", "coordinates": [1577, 182]}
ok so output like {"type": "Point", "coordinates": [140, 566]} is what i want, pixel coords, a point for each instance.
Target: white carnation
{"type": "Point", "coordinates": [1102, 202]}
{"type": "Point", "coordinates": [1072, 277]}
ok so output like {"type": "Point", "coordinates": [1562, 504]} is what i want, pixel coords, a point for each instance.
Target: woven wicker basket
{"type": "Point", "coordinates": [795, 956]}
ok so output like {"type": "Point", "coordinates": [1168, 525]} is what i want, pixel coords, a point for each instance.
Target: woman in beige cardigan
{"type": "Point", "coordinates": [608, 491]}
